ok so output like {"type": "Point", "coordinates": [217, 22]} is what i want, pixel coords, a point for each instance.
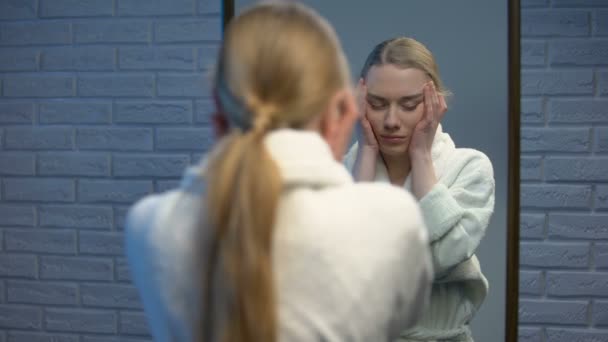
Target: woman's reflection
{"type": "Point", "coordinates": [401, 141]}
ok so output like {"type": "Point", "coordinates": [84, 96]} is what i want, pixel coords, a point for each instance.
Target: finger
{"type": "Point", "coordinates": [428, 103]}
{"type": "Point", "coordinates": [364, 100]}
{"type": "Point", "coordinates": [444, 106]}
{"type": "Point", "coordinates": [365, 122]}
{"type": "Point", "coordinates": [360, 97]}
{"type": "Point", "coordinates": [436, 104]}
{"type": "Point", "coordinates": [435, 114]}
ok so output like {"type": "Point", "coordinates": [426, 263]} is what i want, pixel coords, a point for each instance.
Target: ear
{"type": "Point", "coordinates": [219, 121]}
{"type": "Point", "coordinates": [220, 125]}
{"type": "Point", "coordinates": [338, 121]}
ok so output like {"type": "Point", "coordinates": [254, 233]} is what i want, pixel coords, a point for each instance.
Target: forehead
{"type": "Point", "coordinates": [393, 83]}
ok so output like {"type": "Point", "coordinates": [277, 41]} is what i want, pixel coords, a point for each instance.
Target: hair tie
{"type": "Point", "coordinates": [236, 113]}
{"type": "Point", "coordinates": [261, 123]}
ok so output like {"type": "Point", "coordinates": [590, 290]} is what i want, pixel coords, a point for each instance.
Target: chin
{"type": "Point", "coordinates": [394, 151]}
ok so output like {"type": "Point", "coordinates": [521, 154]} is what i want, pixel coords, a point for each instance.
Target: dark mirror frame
{"type": "Point", "coordinates": [512, 269]}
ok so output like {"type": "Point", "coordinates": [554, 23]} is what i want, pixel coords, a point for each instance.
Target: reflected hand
{"type": "Point", "coordinates": [424, 132]}
{"type": "Point", "coordinates": [365, 133]}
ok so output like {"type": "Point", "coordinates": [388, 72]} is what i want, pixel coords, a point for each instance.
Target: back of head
{"type": "Point", "coordinates": [279, 64]}
{"type": "Point", "coordinates": [404, 52]}
{"type": "Point", "coordinates": [281, 61]}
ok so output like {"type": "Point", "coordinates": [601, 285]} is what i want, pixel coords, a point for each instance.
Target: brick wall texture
{"type": "Point", "coordinates": [101, 102]}
{"type": "Point", "coordinates": [104, 101]}
{"type": "Point", "coordinates": [564, 171]}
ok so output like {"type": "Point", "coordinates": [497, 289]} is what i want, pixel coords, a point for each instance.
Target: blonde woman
{"type": "Point", "coordinates": [401, 142]}
{"type": "Point", "coordinates": [269, 238]}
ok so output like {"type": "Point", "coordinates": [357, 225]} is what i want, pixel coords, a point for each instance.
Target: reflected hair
{"type": "Point", "coordinates": [404, 52]}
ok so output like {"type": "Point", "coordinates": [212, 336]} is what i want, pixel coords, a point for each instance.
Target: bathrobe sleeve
{"type": "Point", "coordinates": [457, 211]}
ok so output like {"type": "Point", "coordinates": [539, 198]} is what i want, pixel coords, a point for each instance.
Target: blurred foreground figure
{"type": "Point", "coordinates": [269, 238]}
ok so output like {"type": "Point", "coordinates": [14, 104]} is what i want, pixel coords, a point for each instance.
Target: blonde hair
{"type": "Point", "coordinates": [278, 67]}
{"type": "Point", "coordinates": [404, 52]}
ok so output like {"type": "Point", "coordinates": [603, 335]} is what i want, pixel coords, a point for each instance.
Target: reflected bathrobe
{"type": "Point", "coordinates": [456, 211]}
{"type": "Point", "coordinates": [352, 261]}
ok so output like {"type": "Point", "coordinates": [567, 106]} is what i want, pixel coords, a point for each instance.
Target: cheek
{"type": "Point", "coordinates": [410, 119]}
{"type": "Point", "coordinates": [419, 112]}
{"type": "Point", "coordinates": [416, 115]}
{"type": "Point", "coordinates": [375, 118]}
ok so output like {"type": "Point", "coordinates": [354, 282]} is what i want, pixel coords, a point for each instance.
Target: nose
{"type": "Point", "coordinates": [391, 122]}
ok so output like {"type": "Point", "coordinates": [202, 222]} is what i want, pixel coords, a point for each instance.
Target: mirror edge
{"type": "Point", "coordinates": [513, 182]}
{"type": "Point", "coordinates": [227, 13]}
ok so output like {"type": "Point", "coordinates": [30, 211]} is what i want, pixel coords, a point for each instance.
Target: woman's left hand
{"type": "Point", "coordinates": [424, 132]}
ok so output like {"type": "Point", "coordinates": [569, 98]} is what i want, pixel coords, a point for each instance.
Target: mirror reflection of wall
{"type": "Point", "coordinates": [469, 42]}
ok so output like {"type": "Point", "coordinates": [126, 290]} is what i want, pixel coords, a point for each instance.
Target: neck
{"type": "Point", "coordinates": [398, 168]}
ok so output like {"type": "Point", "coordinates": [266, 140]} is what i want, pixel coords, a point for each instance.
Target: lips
{"type": "Point", "coordinates": [392, 139]}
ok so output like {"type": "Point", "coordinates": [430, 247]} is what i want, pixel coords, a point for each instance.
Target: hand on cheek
{"type": "Point", "coordinates": [424, 132]}
{"type": "Point", "coordinates": [365, 135]}
{"type": "Point", "coordinates": [423, 170]}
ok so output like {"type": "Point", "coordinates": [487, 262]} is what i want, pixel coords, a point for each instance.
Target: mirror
{"type": "Point", "coordinates": [476, 47]}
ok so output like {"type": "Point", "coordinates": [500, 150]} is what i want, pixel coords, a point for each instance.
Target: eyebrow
{"type": "Point", "coordinates": [403, 98]}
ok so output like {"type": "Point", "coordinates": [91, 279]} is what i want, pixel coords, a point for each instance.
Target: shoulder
{"type": "Point", "coordinates": [166, 219]}
{"type": "Point", "coordinates": [353, 206]}
{"type": "Point", "coordinates": [144, 219]}
{"type": "Point", "coordinates": [141, 214]}
{"type": "Point", "coordinates": [468, 163]}
{"type": "Point", "coordinates": [470, 157]}
{"type": "Point", "coordinates": [374, 224]}
{"type": "Point", "coordinates": [382, 197]}
{"type": "Point", "coordinates": [387, 211]}
{"type": "Point", "coordinates": [401, 212]}
{"type": "Point", "coordinates": [376, 196]}
{"type": "Point", "coordinates": [139, 225]}
{"type": "Point", "coordinates": [477, 158]}
{"type": "Point", "coordinates": [151, 266]}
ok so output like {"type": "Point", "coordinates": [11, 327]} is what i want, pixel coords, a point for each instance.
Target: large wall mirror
{"type": "Point", "coordinates": [476, 46]}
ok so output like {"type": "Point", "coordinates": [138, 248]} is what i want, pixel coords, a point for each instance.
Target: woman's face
{"type": "Point", "coordinates": [395, 104]}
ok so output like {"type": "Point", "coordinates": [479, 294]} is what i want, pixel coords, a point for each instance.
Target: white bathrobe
{"type": "Point", "coordinates": [351, 261]}
{"type": "Point", "coordinates": [456, 211]}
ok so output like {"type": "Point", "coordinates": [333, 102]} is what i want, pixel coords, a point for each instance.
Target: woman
{"type": "Point", "coordinates": [269, 238]}
{"type": "Point", "coordinates": [401, 142]}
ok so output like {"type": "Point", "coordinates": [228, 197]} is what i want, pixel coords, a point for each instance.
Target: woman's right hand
{"type": "Point", "coordinates": [367, 154]}
{"type": "Point", "coordinates": [365, 134]}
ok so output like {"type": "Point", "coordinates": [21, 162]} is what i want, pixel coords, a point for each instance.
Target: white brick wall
{"type": "Point", "coordinates": [101, 103]}
{"type": "Point", "coordinates": [564, 171]}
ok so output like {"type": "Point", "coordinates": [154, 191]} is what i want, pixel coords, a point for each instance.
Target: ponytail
{"type": "Point", "coordinates": [278, 66]}
{"type": "Point", "coordinates": [244, 189]}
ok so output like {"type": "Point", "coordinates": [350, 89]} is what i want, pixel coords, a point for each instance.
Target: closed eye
{"type": "Point", "coordinates": [410, 106]}
{"type": "Point", "coordinates": [376, 104]}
